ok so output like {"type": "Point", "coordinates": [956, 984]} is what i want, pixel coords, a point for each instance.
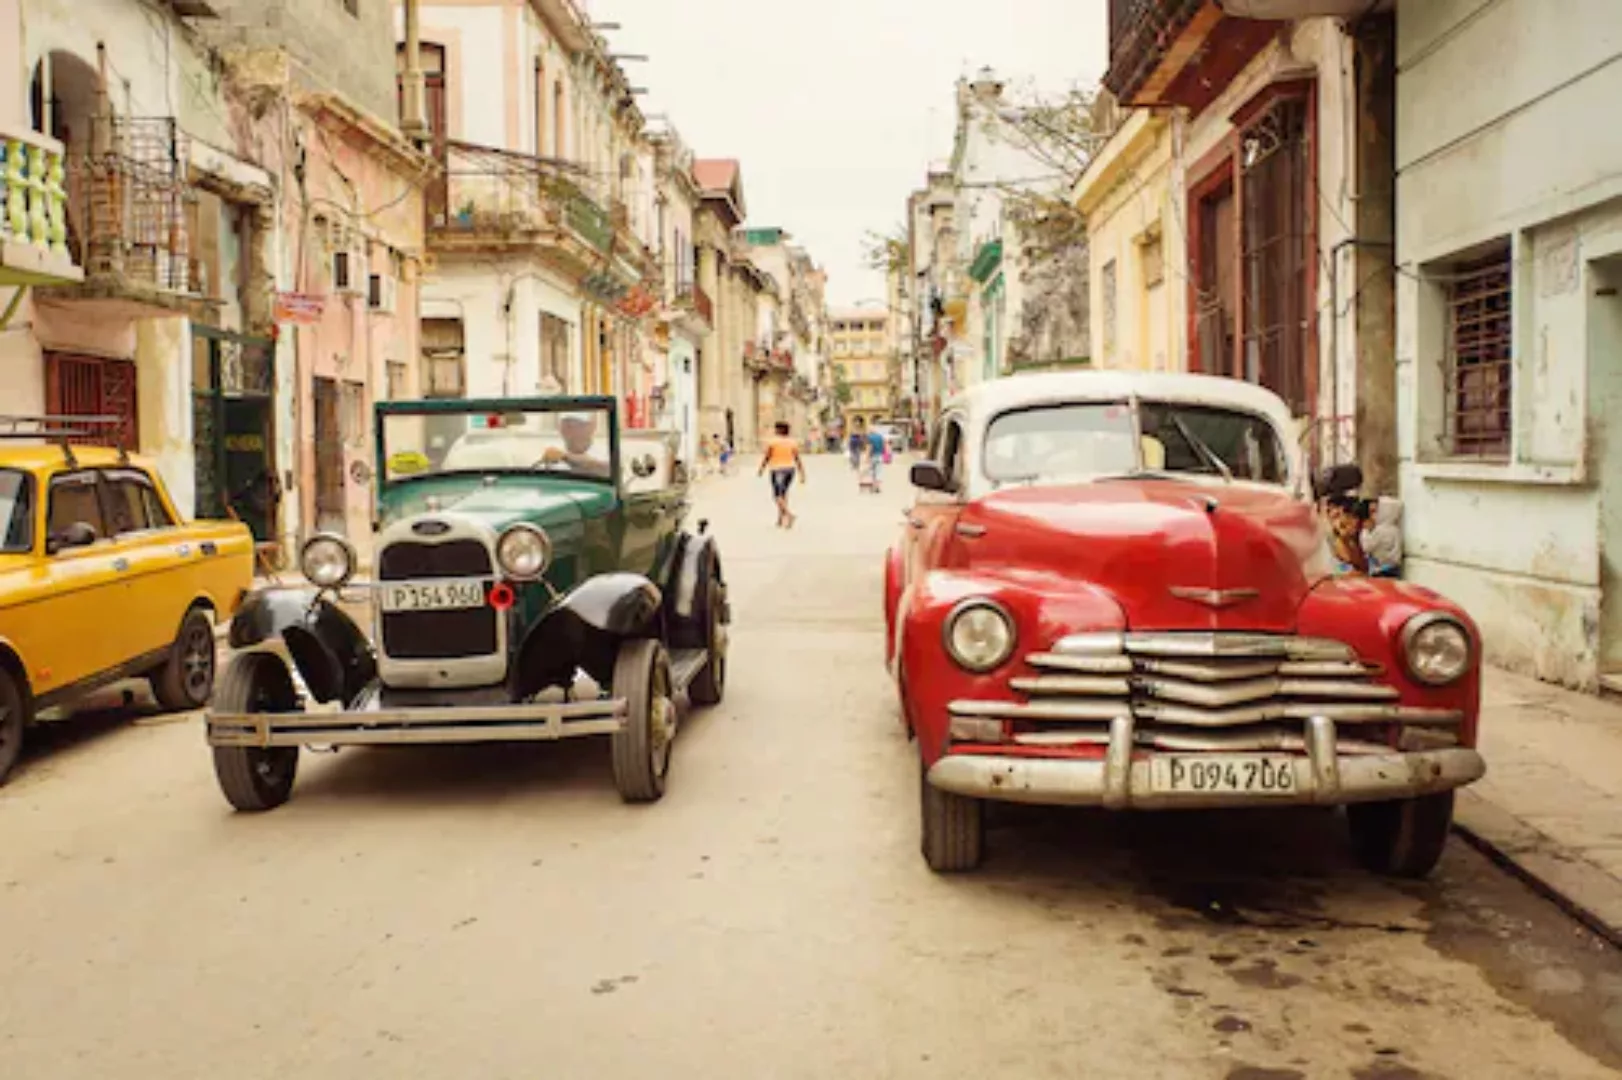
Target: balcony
{"type": "Point", "coordinates": [33, 212]}
{"type": "Point", "coordinates": [130, 204]}
{"type": "Point", "coordinates": [693, 307]}
{"type": "Point", "coordinates": [1178, 52]}
{"type": "Point", "coordinates": [488, 199]}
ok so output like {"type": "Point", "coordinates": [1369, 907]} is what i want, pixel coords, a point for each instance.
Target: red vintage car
{"type": "Point", "coordinates": [1114, 589]}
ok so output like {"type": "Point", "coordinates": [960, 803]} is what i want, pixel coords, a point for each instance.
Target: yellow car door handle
{"type": "Point", "coordinates": [121, 564]}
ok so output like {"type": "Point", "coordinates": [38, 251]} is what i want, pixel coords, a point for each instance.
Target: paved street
{"type": "Point", "coordinates": [497, 912]}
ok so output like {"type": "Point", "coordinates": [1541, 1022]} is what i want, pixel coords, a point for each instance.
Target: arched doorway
{"type": "Point", "coordinates": [66, 110]}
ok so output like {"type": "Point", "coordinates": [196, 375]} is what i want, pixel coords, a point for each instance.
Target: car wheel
{"type": "Point", "coordinates": [1402, 837]}
{"type": "Point", "coordinates": [186, 679]}
{"type": "Point", "coordinates": [13, 718]}
{"type": "Point", "coordinates": [954, 829]}
{"type": "Point", "coordinates": [709, 685]}
{"type": "Point", "coordinates": [256, 778]}
{"type": "Point", "coordinates": [642, 745]}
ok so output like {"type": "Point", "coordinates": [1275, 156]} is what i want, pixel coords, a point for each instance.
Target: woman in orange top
{"type": "Point", "coordinates": [783, 459]}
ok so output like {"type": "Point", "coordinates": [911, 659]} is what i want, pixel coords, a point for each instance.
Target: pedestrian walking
{"type": "Point", "coordinates": [783, 459]}
{"type": "Point", "coordinates": [877, 447]}
{"type": "Point", "coordinates": [857, 441]}
{"type": "Point", "coordinates": [723, 451]}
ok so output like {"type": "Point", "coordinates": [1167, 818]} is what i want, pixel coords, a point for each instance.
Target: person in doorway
{"type": "Point", "coordinates": [783, 459]}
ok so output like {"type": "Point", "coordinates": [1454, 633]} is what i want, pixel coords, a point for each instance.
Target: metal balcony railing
{"type": "Point", "coordinates": [691, 295]}
{"type": "Point", "coordinates": [1140, 32]}
{"type": "Point", "coordinates": [129, 196]}
{"type": "Point", "coordinates": [485, 192]}
{"type": "Point", "coordinates": [33, 210]}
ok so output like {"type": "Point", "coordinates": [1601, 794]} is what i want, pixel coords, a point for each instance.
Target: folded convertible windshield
{"type": "Point", "coordinates": [1098, 439]}
{"type": "Point", "coordinates": [575, 442]}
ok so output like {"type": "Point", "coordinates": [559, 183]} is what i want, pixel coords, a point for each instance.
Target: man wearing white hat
{"type": "Point", "coordinates": [577, 430]}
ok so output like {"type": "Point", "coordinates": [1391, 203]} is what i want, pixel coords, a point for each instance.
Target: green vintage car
{"type": "Point", "coordinates": [533, 581]}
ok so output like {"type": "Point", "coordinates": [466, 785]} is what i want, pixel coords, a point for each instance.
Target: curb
{"type": "Point", "coordinates": [1579, 888]}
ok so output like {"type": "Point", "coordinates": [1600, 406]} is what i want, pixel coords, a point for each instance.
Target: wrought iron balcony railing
{"type": "Point", "coordinates": [497, 195]}
{"type": "Point", "coordinates": [33, 211]}
{"type": "Point", "coordinates": [691, 296]}
{"type": "Point", "coordinates": [1140, 32]}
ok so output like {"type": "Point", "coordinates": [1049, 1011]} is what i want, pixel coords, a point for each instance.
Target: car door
{"type": "Point", "coordinates": [934, 513]}
{"type": "Point", "coordinates": [157, 567]}
{"type": "Point", "coordinates": [83, 637]}
{"type": "Point", "coordinates": [644, 498]}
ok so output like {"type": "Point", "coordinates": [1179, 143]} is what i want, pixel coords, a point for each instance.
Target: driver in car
{"type": "Point", "coordinates": [575, 453]}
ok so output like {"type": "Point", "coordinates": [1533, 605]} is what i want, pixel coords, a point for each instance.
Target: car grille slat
{"type": "Point", "coordinates": [408, 560]}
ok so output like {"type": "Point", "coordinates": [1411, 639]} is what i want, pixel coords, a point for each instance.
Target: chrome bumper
{"type": "Point", "coordinates": [444, 724]}
{"type": "Point", "coordinates": [1122, 780]}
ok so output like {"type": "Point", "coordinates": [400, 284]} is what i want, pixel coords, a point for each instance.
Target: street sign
{"type": "Point", "coordinates": [299, 308]}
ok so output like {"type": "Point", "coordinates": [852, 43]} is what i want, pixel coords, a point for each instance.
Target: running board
{"type": "Point", "coordinates": [685, 664]}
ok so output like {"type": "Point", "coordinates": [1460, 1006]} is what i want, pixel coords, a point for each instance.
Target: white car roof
{"type": "Point", "coordinates": [995, 396]}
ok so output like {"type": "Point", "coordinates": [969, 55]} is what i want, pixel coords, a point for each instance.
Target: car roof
{"type": "Point", "coordinates": [1017, 391]}
{"type": "Point", "coordinates": [49, 457]}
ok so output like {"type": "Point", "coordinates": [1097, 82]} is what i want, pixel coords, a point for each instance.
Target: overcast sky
{"type": "Point", "coordinates": [837, 107]}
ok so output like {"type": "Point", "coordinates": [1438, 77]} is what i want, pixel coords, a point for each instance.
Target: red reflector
{"type": "Point", "coordinates": [492, 421]}
{"type": "Point", "coordinates": [502, 597]}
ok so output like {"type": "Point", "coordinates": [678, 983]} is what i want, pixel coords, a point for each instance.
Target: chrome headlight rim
{"type": "Point", "coordinates": [1417, 625]}
{"type": "Point", "coordinates": [964, 607]}
{"type": "Point", "coordinates": [316, 544]}
{"type": "Point", "coordinates": [533, 534]}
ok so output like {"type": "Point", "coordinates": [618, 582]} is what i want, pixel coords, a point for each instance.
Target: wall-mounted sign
{"type": "Point", "coordinates": [299, 308]}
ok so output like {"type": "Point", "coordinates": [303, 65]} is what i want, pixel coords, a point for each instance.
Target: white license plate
{"type": "Point", "coordinates": [1222, 774]}
{"type": "Point", "coordinates": [434, 596]}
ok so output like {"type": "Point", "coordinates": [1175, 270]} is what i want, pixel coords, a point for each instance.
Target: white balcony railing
{"type": "Point", "coordinates": [33, 211]}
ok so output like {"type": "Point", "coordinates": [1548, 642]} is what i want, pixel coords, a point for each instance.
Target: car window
{"type": "Point", "coordinates": [1246, 444]}
{"type": "Point", "coordinates": [73, 501]}
{"type": "Point", "coordinates": [16, 511]}
{"type": "Point", "coordinates": [1060, 441]}
{"type": "Point", "coordinates": [132, 502]}
{"type": "Point", "coordinates": [951, 451]}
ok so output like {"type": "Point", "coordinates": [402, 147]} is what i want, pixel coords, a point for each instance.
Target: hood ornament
{"type": "Point", "coordinates": [1214, 598]}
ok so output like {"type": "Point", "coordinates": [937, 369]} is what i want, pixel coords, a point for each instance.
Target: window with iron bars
{"type": "Point", "coordinates": [1480, 371]}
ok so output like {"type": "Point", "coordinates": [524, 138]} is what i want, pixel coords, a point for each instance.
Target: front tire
{"type": "Point", "coordinates": [186, 679]}
{"type": "Point", "coordinates": [1402, 837]}
{"type": "Point", "coordinates": [13, 719]}
{"type": "Point", "coordinates": [954, 829]}
{"type": "Point", "coordinates": [254, 778]}
{"type": "Point", "coordinates": [642, 746]}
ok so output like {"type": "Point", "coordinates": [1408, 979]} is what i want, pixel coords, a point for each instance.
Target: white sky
{"type": "Point", "coordinates": [837, 107]}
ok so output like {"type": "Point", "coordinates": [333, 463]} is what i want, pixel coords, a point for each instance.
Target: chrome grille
{"type": "Point", "coordinates": [437, 635]}
{"type": "Point", "coordinates": [1196, 691]}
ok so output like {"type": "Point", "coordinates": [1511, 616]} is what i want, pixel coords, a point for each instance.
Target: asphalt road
{"type": "Point", "coordinates": [496, 912]}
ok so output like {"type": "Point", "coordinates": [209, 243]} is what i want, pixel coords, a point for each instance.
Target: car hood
{"type": "Point", "coordinates": [500, 502]}
{"type": "Point", "coordinates": [1174, 555]}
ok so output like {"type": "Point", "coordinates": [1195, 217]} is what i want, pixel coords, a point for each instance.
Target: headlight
{"type": "Point", "coordinates": [327, 561]}
{"type": "Point", "coordinates": [524, 552]}
{"type": "Point", "coordinates": [1436, 648]}
{"type": "Point", "coordinates": [979, 635]}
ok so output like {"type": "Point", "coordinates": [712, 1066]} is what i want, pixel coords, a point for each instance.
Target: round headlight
{"type": "Point", "coordinates": [979, 635]}
{"type": "Point", "coordinates": [328, 561]}
{"type": "Point", "coordinates": [524, 552]}
{"type": "Point", "coordinates": [1436, 649]}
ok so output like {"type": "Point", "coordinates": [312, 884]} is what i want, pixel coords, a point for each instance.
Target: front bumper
{"type": "Point", "coordinates": [439, 724]}
{"type": "Point", "coordinates": [1123, 779]}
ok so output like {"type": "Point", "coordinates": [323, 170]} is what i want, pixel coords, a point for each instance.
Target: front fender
{"type": "Point", "coordinates": [893, 572]}
{"type": "Point", "coordinates": [1044, 608]}
{"type": "Point", "coordinates": [695, 550]}
{"type": "Point", "coordinates": [331, 652]}
{"type": "Point", "coordinates": [1369, 613]}
{"type": "Point", "coordinates": [584, 629]}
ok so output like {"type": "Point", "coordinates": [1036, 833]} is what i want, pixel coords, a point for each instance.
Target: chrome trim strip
{"type": "Point", "coordinates": [1013, 710]}
{"type": "Point", "coordinates": [1207, 671]}
{"type": "Point", "coordinates": [1099, 665]}
{"type": "Point", "coordinates": [1063, 738]}
{"type": "Point", "coordinates": [1106, 643]}
{"type": "Point", "coordinates": [489, 723]}
{"type": "Point", "coordinates": [1081, 685]}
{"type": "Point", "coordinates": [1194, 716]}
{"type": "Point", "coordinates": [1321, 752]}
{"type": "Point", "coordinates": [1208, 695]}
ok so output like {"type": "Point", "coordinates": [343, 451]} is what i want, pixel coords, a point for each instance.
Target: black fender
{"type": "Point", "coordinates": [584, 629]}
{"type": "Point", "coordinates": [688, 620]}
{"type": "Point", "coordinates": [330, 651]}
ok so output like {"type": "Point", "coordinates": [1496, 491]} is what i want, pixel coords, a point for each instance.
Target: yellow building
{"type": "Point", "coordinates": [1137, 247]}
{"type": "Point", "coordinates": [862, 360]}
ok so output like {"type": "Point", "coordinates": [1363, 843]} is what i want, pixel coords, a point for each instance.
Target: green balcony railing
{"type": "Point", "coordinates": [590, 221]}
{"type": "Point", "coordinates": [33, 212]}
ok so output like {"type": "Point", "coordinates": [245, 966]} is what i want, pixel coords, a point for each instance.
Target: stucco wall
{"type": "Point", "coordinates": [350, 54]}
{"type": "Point", "coordinates": [478, 296]}
{"type": "Point", "coordinates": [1518, 542]}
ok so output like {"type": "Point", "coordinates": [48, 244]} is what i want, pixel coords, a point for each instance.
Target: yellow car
{"type": "Point", "coordinates": [100, 581]}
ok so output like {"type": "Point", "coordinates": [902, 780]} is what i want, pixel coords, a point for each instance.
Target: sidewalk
{"type": "Point", "coordinates": [1550, 806]}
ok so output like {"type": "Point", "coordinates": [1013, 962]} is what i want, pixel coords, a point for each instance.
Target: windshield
{"type": "Point", "coordinates": [16, 511]}
{"type": "Point", "coordinates": [554, 441]}
{"type": "Point", "coordinates": [1084, 441]}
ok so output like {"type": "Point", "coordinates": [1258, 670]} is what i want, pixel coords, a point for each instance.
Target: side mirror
{"type": "Point", "coordinates": [929, 476]}
{"type": "Point", "coordinates": [79, 534]}
{"type": "Point", "coordinates": [644, 467]}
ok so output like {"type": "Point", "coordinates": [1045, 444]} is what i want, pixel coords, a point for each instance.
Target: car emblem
{"type": "Point", "coordinates": [1214, 598]}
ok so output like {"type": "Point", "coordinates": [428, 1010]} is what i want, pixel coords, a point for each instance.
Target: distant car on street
{"type": "Point", "coordinates": [535, 584]}
{"type": "Point", "coordinates": [100, 578]}
{"type": "Point", "coordinates": [1115, 589]}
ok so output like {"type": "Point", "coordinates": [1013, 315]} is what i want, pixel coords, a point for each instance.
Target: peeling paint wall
{"type": "Point", "coordinates": [1518, 541]}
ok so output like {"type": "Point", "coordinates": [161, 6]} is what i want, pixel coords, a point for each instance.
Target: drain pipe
{"type": "Point", "coordinates": [1335, 316]}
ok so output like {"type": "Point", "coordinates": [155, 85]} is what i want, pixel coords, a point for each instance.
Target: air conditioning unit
{"type": "Point", "coordinates": [380, 293]}
{"type": "Point", "coordinates": [349, 270]}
